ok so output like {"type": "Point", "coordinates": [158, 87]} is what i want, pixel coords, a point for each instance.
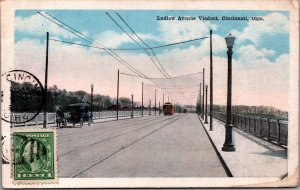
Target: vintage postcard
{"type": "Point", "coordinates": [149, 94]}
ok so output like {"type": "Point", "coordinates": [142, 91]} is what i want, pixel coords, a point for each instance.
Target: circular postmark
{"type": "Point", "coordinates": [5, 152]}
{"type": "Point", "coordinates": [22, 96]}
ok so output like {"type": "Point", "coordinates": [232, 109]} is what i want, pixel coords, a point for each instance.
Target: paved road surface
{"type": "Point", "coordinates": [157, 146]}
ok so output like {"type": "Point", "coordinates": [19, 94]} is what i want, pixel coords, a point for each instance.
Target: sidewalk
{"type": "Point", "coordinates": [253, 157]}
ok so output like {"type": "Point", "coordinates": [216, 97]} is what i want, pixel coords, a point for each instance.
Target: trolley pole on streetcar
{"type": "Point", "coordinates": [211, 86]}
{"type": "Point", "coordinates": [46, 83]}
{"type": "Point", "coordinates": [118, 95]}
{"type": "Point", "coordinates": [142, 99]}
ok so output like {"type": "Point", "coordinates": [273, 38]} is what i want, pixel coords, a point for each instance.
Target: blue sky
{"type": "Point", "coordinates": [261, 49]}
{"type": "Point", "coordinates": [96, 21]}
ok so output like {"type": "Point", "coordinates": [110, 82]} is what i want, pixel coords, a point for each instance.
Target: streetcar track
{"type": "Point", "coordinates": [112, 137]}
{"type": "Point", "coordinates": [123, 147]}
{"type": "Point", "coordinates": [102, 127]}
{"type": "Point", "coordinates": [122, 127]}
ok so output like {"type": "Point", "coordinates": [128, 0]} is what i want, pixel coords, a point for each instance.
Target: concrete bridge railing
{"type": "Point", "coordinates": [18, 119]}
{"type": "Point", "coordinates": [266, 128]}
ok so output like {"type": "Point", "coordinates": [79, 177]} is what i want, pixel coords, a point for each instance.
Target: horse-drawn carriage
{"type": "Point", "coordinates": [78, 114]}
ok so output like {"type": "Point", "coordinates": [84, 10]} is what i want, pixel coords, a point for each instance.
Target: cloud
{"type": "Point", "coordinates": [74, 67]}
{"type": "Point", "coordinates": [183, 30]}
{"type": "Point", "coordinates": [113, 39]}
{"type": "Point", "coordinates": [267, 83]}
{"type": "Point", "coordinates": [274, 23]}
{"type": "Point", "coordinates": [38, 25]}
{"type": "Point", "coordinates": [249, 55]}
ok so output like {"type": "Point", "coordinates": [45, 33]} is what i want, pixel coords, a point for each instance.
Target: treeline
{"type": "Point", "coordinates": [26, 98]}
{"type": "Point", "coordinates": [259, 111]}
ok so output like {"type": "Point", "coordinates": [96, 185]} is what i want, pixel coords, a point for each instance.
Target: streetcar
{"type": "Point", "coordinates": [168, 109]}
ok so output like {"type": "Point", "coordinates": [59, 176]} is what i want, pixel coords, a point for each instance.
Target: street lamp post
{"type": "Point", "coordinates": [92, 89]}
{"type": "Point", "coordinates": [228, 144]}
{"type": "Point", "coordinates": [205, 122]}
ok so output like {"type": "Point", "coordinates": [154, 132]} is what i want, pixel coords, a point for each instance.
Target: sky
{"type": "Point", "coordinates": [260, 53]}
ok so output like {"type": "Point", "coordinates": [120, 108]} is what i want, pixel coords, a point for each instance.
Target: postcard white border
{"type": "Point", "coordinates": [7, 38]}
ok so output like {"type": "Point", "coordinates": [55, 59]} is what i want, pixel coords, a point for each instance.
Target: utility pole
{"type": "Point", "coordinates": [118, 95]}
{"type": "Point", "coordinates": [205, 122]}
{"type": "Point", "coordinates": [131, 105]}
{"type": "Point", "coordinates": [150, 108]}
{"type": "Point", "coordinates": [159, 108]}
{"type": "Point", "coordinates": [203, 93]}
{"type": "Point", "coordinates": [163, 99]}
{"type": "Point", "coordinates": [46, 83]}
{"type": "Point", "coordinates": [155, 103]}
{"type": "Point", "coordinates": [211, 86]}
{"type": "Point", "coordinates": [200, 99]}
{"type": "Point", "coordinates": [92, 88]}
{"type": "Point", "coordinates": [142, 99]}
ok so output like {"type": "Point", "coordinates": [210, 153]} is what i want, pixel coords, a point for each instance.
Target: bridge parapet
{"type": "Point", "coordinates": [20, 118]}
{"type": "Point", "coordinates": [269, 129]}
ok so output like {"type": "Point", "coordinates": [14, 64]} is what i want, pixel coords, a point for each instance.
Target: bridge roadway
{"type": "Point", "coordinates": [153, 146]}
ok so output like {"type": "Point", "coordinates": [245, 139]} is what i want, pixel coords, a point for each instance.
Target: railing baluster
{"type": "Point", "coordinates": [278, 131]}
{"type": "Point", "coordinates": [268, 132]}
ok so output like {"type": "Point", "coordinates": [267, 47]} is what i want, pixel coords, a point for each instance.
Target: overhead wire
{"type": "Point", "coordinates": [84, 37]}
{"type": "Point", "coordinates": [74, 43]}
{"type": "Point", "coordinates": [134, 41]}
{"type": "Point", "coordinates": [190, 74]}
{"type": "Point", "coordinates": [107, 50]}
{"type": "Point", "coordinates": [143, 43]}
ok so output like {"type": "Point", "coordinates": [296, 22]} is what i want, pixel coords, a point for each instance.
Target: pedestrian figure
{"type": "Point", "coordinates": [60, 116]}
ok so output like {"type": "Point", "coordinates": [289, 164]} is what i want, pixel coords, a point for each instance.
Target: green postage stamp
{"type": "Point", "coordinates": [34, 156]}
